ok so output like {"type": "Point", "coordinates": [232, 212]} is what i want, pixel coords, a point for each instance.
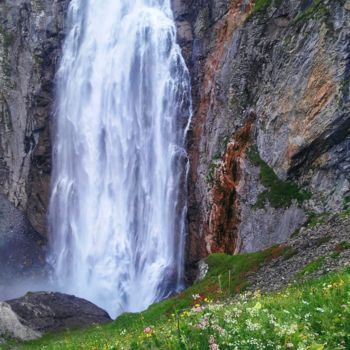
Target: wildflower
{"type": "Point", "coordinates": [320, 309]}
{"type": "Point", "coordinates": [195, 296]}
{"type": "Point", "coordinates": [257, 306]}
{"type": "Point", "coordinates": [204, 323]}
{"type": "Point", "coordinates": [197, 309]}
{"type": "Point", "coordinates": [197, 305]}
{"type": "Point", "coordinates": [212, 344]}
{"type": "Point", "coordinates": [251, 326]}
{"type": "Point", "coordinates": [257, 294]}
{"type": "Point", "coordinates": [290, 345]}
{"type": "Point", "coordinates": [148, 331]}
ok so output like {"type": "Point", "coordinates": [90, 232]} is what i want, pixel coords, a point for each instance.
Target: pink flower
{"type": "Point", "coordinates": [147, 330]}
{"type": "Point", "coordinates": [212, 344]}
{"type": "Point", "coordinates": [197, 309]}
{"type": "Point", "coordinates": [204, 323]}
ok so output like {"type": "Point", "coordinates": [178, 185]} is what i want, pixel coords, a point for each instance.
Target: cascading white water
{"type": "Point", "coordinates": [118, 207]}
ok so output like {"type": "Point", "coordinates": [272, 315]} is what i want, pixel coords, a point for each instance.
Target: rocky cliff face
{"type": "Point", "coordinates": [270, 139]}
{"type": "Point", "coordinates": [30, 44]}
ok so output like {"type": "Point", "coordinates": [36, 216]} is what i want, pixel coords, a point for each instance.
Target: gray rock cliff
{"type": "Point", "coordinates": [270, 136]}
{"type": "Point", "coordinates": [30, 46]}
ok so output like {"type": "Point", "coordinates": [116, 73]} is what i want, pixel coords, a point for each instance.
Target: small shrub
{"type": "Point", "coordinates": [315, 219]}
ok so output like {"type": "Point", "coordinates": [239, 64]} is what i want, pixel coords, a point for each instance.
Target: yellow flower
{"type": "Point", "coordinates": [257, 306]}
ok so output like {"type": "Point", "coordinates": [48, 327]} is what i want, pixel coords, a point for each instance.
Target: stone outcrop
{"type": "Point", "coordinates": [287, 62]}
{"type": "Point", "coordinates": [34, 314]}
{"type": "Point", "coordinates": [30, 45]}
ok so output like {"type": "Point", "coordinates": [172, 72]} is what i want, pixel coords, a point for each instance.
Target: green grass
{"type": "Point", "coordinates": [312, 266]}
{"type": "Point", "coordinates": [314, 315]}
{"type": "Point", "coordinates": [280, 194]}
{"type": "Point", "coordinates": [315, 219]}
{"type": "Point", "coordinates": [262, 5]}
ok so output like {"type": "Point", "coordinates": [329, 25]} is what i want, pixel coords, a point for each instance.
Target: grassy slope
{"type": "Point", "coordinates": [226, 276]}
{"type": "Point", "coordinates": [313, 316]}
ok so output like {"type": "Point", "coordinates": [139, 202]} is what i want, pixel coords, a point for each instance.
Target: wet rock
{"type": "Point", "coordinates": [31, 34]}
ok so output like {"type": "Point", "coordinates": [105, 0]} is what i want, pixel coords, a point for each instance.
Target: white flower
{"type": "Point", "coordinates": [319, 309]}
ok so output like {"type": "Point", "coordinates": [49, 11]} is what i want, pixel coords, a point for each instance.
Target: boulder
{"type": "Point", "coordinates": [34, 314]}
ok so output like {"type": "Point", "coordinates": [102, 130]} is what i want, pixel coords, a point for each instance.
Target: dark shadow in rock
{"type": "Point", "coordinates": [22, 253]}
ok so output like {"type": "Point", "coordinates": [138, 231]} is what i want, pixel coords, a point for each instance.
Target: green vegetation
{"type": "Point", "coordinates": [317, 9]}
{"type": "Point", "coordinates": [262, 5]}
{"type": "Point", "coordinates": [345, 213]}
{"type": "Point", "coordinates": [312, 266]}
{"type": "Point", "coordinates": [280, 194]}
{"type": "Point", "coordinates": [316, 219]}
{"type": "Point", "coordinates": [346, 203]}
{"type": "Point", "coordinates": [314, 315]}
{"type": "Point", "coordinates": [211, 172]}
{"type": "Point", "coordinates": [335, 255]}
{"type": "Point", "coordinates": [289, 253]}
{"type": "Point", "coordinates": [346, 207]}
{"type": "Point", "coordinates": [219, 154]}
{"type": "Point", "coordinates": [8, 38]}
{"type": "Point", "coordinates": [344, 245]}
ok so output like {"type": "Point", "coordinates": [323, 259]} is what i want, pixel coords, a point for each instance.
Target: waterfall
{"type": "Point", "coordinates": [118, 202]}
